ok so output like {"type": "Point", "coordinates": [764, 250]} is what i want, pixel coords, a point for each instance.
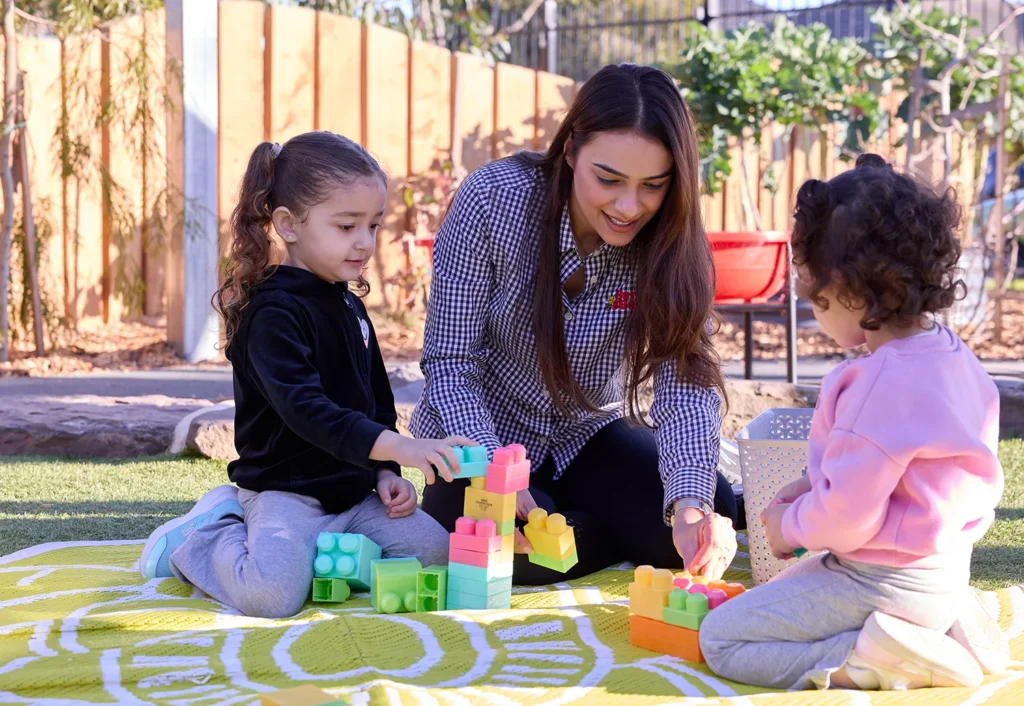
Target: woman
{"type": "Point", "coordinates": [564, 283]}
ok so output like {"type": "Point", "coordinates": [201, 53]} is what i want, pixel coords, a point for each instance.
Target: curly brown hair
{"type": "Point", "coordinates": [882, 240]}
{"type": "Point", "coordinates": [296, 176]}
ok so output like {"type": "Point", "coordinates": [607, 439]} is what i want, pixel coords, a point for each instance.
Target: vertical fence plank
{"type": "Point", "coordinates": [40, 59]}
{"type": "Point", "coordinates": [475, 111]}
{"type": "Point", "coordinates": [554, 95]}
{"type": "Point", "coordinates": [782, 202]}
{"type": "Point", "coordinates": [289, 60]}
{"type": "Point", "coordinates": [339, 70]}
{"type": "Point", "coordinates": [430, 105]}
{"type": "Point", "coordinates": [241, 100]}
{"type": "Point", "coordinates": [387, 98]}
{"type": "Point", "coordinates": [515, 109]}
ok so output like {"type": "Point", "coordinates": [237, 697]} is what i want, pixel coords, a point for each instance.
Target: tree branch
{"type": "Point", "coordinates": [527, 15]}
{"type": "Point", "coordinates": [1007, 21]}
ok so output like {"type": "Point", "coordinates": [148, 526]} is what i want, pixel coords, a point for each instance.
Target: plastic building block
{"type": "Point", "coordinates": [702, 580]}
{"type": "Point", "coordinates": [667, 639]}
{"type": "Point", "coordinates": [507, 528]}
{"type": "Point", "coordinates": [716, 597]}
{"type": "Point", "coordinates": [481, 505]}
{"type": "Point", "coordinates": [681, 583]}
{"type": "Point", "coordinates": [559, 565]}
{"type": "Point", "coordinates": [508, 471]}
{"type": "Point", "coordinates": [687, 610]}
{"type": "Point", "coordinates": [330, 590]}
{"type": "Point", "coordinates": [394, 585]}
{"type": "Point", "coordinates": [477, 573]}
{"type": "Point", "coordinates": [479, 482]}
{"type": "Point", "coordinates": [472, 601]}
{"type": "Point", "coordinates": [305, 695]}
{"type": "Point", "coordinates": [484, 561]}
{"type": "Point", "coordinates": [698, 588]}
{"type": "Point", "coordinates": [734, 589]}
{"type": "Point", "coordinates": [549, 535]}
{"type": "Point", "coordinates": [431, 589]}
{"type": "Point", "coordinates": [472, 461]}
{"type": "Point", "coordinates": [345, 556]}
{"type": "Point", "coordinates": [480, 588]}
{"type": "Point", "coordinates": [475, 536]}
{"type": "Point", "coordinates": [648, 594]}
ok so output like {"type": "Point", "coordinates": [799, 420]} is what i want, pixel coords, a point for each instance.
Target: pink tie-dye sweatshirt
{"type": "Point", "coordinates": [902, 457]}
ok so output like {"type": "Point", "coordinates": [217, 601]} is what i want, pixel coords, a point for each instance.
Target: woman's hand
{"type": "Point", "coordinates": [397, 494]}
{"type": "Point", "coordinates": [792, 491]}
{"type": "Point", "coordinates": [524, 503]}
{"type": "Point", "coordinates": [771, 518]}
{"type": "Point", "coordinates": [424, 454]}
{"type": "Point", "coordinates": [706, 543]}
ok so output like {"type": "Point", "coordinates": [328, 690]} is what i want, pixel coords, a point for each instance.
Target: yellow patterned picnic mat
{"type": "Point", "coordinates": [79, 626]}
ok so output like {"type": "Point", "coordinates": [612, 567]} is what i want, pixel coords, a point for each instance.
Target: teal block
{"type": "Point", "coordinates": [472, 461]}
{"type": "Point", "coordinates": [471, 601]}
{"type": "Point", "coordinates": [345, 556]}
{"type": "Point", "coordinates": [480, 588]}
{"type": "Point", "coordinates": [477, 573]}
{"type": "Point", "coordinates": [393, 589]}
{"type": "Point", "coordinates": [431, 589]}
{"type": "Point", "coordinates": [330, 590]}
{"type": "Point", "coordinates": [686, 610]}
{"type": "Point", "coordinates": [560, 565]}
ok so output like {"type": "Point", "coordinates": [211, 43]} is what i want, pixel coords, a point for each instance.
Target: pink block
{"type": "Point", "coordinates": [698, 588]}
{"type": "Point", "coordinates": [465, 525]}
{"type": "Point", "coordinates": [470, 527]}
{"type": "Point", "coordinates": [475, 543]}
{"type": "Point", "coordinates": [504, 456]}
{"type": "Point", "coordinates": [486, 528]}
{"type": "Point", "coordinates": [471, 558]}
{"type": "Point", "coordinates": [716, 597]}
{"type": "Point", "coordinates": [519, 451]}
{"type": "Point", "coordinates": [681, 583]}
{"type": "Point", "coordinates": [504, 480]}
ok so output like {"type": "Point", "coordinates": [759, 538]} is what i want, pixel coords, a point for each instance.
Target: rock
{"type": "Point", "coordinates": [91, 425]}
{"type": "Point", "coordinates": [213, 435]}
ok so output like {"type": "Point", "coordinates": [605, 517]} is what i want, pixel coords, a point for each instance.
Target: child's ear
{"type": "Point", "coordinates": [284, 224]}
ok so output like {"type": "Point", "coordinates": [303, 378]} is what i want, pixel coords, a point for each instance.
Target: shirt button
{"type": "Point", "coordinates": [593, 279]}
{"type": "Point", "coordinates": [568, 315]}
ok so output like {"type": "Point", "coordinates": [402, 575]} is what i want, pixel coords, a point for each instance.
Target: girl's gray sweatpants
{"type": "Point", "coordinates": [795, 630]}
{"type": "Point", "coordinates": [264, 566]}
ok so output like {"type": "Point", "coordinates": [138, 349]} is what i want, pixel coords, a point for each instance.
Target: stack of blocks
{"type": "Point", "coordinates": [666, 611]}
{"type": "Point", "coordinates": [481, 549]}
{"type": "Point", "coordinates": [342, 561]}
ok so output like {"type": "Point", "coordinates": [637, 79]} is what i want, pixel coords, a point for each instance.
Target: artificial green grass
{"type": "Point", "coordinates": [59, 500]}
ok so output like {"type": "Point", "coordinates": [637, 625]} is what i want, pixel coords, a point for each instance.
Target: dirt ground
{"type": "Point", "coordinates": [142, 345]}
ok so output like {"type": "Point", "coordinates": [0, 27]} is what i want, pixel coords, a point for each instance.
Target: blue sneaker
{"type": "Point", "coordinates": [218, 503]}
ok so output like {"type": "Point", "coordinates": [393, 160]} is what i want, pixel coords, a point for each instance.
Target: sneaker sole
{"type": "Point", "coordinates": [156, 545]}
{"type": "Point", "coordinates": [950, 664]}
{"type": "Point", "coordinates": [979, 633]}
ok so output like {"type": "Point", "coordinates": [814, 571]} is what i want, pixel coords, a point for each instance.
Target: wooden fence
{"type": "Point", "coordinates": [283, 71]}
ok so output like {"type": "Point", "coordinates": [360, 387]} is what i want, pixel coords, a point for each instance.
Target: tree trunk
{"type": "Point", "coordinates": [750, 210]}
{"type": "Point", "coordinates": [6, 178]}
{"type": "Point", "coordinates": [30, 224]}
{"type": "Point", "coordinates": [917, 88]}
{"type": "Point", "coordinates": [997, 207]}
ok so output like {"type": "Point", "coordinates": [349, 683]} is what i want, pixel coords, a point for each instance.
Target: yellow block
{"type": "Point", "coordinates": [508, 547]}
{"type": "Point", "coordinates": [648, 594]}
{"type": "Point", "coordinates": [305, 695]}
{"type": "Point", "coordinates": [478, 482]}
{"type": "Point", "coordinates": [549, 535]}
{"type": "Point", "coordinates": [481, 505]}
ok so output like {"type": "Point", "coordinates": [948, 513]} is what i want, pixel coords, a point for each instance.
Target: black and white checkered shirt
{"type": "Point", "coordinates": [480, 355]}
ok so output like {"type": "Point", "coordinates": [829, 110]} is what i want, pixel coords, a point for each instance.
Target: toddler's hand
{"type": "Point", "coordinates": [424, 454]}
{"type": "Point", "coordinates": [792, 491]}
{"type": "Point", "coordinates": [397, 494]}
{"type": "Point", "coordinates": [524, 503]}
{"type": "Point", "coordinates": [771, 518]}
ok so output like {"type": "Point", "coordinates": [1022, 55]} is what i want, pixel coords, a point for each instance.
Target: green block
{"type": "Point", "coordinates": [506, 528]}
{"type": "Point", "coordinates": [393, 589]}
{"type": "Point", "coordinates": [560, 565]}
{"type": "Point", "coordinates": [345, 556]}
{"type": "Point", "coordinates": [686, 610]}
{"type": "Point", "coordinates": [460, 584]}
{"type": "Point", "coordinates": [472, 461]}
{"type": "Point", "coordinates": [330, 590]}
{"type": "Point", "coordinates": [431, 589]}
{"type": "Point", "coordinates": [472, 601]}
{"type": "Point", "coordinates": [478, 573]}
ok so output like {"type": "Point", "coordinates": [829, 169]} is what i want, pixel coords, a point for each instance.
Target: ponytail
{"type": "Point", "coordinates": [251, 244]}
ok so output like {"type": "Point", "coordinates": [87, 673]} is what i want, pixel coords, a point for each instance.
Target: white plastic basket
{"type": "Point", "coordinates": [773, 453]}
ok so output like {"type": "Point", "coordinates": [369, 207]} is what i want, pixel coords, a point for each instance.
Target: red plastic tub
{"type": "Point", "coordinates": [749, 267]}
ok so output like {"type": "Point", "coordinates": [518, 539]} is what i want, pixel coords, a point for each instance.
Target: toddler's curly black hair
{"type": "Point", "coordinates": [882, 240]}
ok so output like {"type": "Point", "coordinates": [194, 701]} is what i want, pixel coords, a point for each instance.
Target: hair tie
{"type": "Point", "coordinates": [276, 150]}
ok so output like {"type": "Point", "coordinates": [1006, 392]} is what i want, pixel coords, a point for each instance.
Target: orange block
{"type": "Point", "coordinates": [648, 594]}
{"type": "Point", "coordinates": [667, 639]}
{"type": "Point", "coordinates": [734, 589]}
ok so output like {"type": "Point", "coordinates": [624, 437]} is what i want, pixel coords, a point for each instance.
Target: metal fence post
{"type": "Point", "coordinates": [551, 26]}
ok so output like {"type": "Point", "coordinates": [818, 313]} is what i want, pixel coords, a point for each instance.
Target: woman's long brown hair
{"type": "Point", "coordinates": [673, 313]}
{"type": "Point", "coordinates": [300, 176]}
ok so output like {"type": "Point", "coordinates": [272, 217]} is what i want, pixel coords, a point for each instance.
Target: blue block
{"type": "Point", "coordinates": [345, 556]}
{"type": "Point", "coordinates": [472, 461]}
{"type": "Point", "coordinates": [470, 601]}
{"type": "Point", "coordinates": [480, 588]}
{"type": "Point", "coordinates": [477, 573]}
